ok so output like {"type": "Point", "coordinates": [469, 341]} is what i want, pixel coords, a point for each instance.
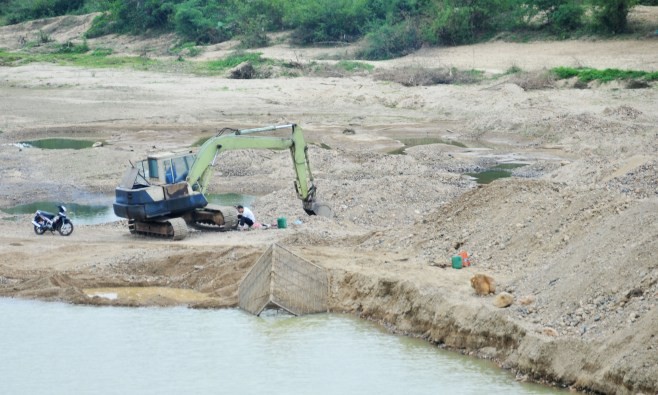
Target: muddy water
{"type": "Point", "coordinates": [494, 173]}
{"type": "Point", "coordinates": [230, 199]}
{"type": "Point", "coordinates": [58, 144]}
{"type": "Point", "coordinates": [80, 214]}
{"type": "Point", "coordinates": [53, 348]}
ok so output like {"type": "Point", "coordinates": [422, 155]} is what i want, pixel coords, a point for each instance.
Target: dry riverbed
{"type": "Point", "coordinates": [573, 236]}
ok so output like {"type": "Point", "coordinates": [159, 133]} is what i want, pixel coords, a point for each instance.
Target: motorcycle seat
{"type": "Point", "coordinates": [46, 214]}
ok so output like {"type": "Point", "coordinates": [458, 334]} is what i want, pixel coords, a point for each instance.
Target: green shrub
{"type": "Point", "coordinates": [133, 16]}
{"type": "Point", "coordinates": [611, 16]}
{"type": "Point", "coordinates": [100, 52]}
{"type": "Point", "coordinates": [193, 25]}
{"type": "Point", "coordinates": [566, 17]}
{"type": "Point", "coordinates": [606, 75]}
{"type": "Point", "coordinates": [253, 32]}
{"type": "Point", "coordinates": [352, 66]}
{"type": "Point", "coordinates": [44, 38]}
{"type": "Point", "coordinates": [20, 11]}
{"type": "Point", "coordinates": [187, 48]}
{"type": "Point", "coordinates": [453, 26]}
{"type": "Point", "coordinates": [390, 41]}
{"type": "Point", "coordinates": [455, 22]}
{"type": "Point", "coordinates": [69, 47]}
{"type": "Point", "coordinates": [101, 25]}
{"type": "Point", "coordinates": [324, 21]}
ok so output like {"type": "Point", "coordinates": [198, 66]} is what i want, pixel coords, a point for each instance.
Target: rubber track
{"type": "Point", "coordinates": [179, 227]}
{"type": "Point", "coordinates": [172, 228]}
{"type": "Point", "coordinates": [229, 213]}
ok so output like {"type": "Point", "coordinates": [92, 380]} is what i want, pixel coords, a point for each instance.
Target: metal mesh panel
{"type": "Point", "coordinates": [286, 280]}
{"type": "Point", "coordinates": [298, 285]}
{"type": "Point", "coordinates": [254, 291]}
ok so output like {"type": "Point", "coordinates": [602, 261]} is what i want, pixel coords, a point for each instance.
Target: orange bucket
{"type": "Point", "coordinates": [465, 260]}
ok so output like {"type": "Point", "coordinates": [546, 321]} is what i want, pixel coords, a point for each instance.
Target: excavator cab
{"type": "Point", "coordinates": [156, 187]}
{"type": "Point", "coordinates": [165, 167]}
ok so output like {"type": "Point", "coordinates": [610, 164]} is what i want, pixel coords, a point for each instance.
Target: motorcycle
{"type": "Point", "coordinates": [44, 221]}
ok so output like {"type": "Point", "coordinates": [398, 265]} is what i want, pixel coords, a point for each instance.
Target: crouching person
{"type": "Point", "coordinates": [246, 217]}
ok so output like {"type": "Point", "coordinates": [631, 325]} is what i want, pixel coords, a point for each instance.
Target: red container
{"type": "Point", "coordinates": [466, 261]}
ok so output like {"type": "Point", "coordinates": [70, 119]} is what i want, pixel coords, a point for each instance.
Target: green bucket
{"type": "Point", "coordinates": [457, 262]}
{"type": "Point", "coordinates": [281, 223]}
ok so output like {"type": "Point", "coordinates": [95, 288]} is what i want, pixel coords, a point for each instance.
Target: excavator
{"type": "Point", "coordinates": [164, 193]}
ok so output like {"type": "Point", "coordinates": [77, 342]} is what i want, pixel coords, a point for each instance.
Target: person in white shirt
{"type": "Point", "coordinates": [246, 217]}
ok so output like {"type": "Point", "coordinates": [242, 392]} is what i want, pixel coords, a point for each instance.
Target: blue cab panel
{"type": "Point", "coordinates": [139, 205]}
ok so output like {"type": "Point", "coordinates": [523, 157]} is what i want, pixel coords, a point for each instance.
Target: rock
{"type": "Point", "coordinates": [503, 299]}
{"type": "Point", "coordinates": [526, 300]}
{"type": "Point", "coordinates": [483, 284]}
{"type": "Point", "coordinates": [549, 332]}
{"type": "Point", "coordinates": [243, 71]}
{"type": "Point", "coordinates": [488, 352]}
{"type": "Point", "coordinates": [349, 131]}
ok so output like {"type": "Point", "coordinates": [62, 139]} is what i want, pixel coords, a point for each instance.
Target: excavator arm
{"type": "Point", "coordinates": [202, 169]}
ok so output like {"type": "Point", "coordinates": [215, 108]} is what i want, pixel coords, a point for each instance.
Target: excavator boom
{"type": "Point", "coordinates": [202, 169]}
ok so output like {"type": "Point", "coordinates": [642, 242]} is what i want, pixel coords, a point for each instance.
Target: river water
{"type": "Point", "coordinates": [56, 348]}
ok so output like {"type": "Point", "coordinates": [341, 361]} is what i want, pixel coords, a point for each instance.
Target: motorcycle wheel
{"type": "Point", "coordinates": [39, 230]}
{"type": "Point", "coordinates": [66, 228]}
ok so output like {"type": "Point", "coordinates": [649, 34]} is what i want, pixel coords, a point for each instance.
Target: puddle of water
{"type": "Point", "coordinates": [101, 213]}
{"type": "Point", "coordinates": [412, 142]}
{"type": "Point", "coordinates": [145, 294]}
{"type": "Point", "coordinates": [502, 170]}
{"type": "Point", "coordinates": [187, 351]}
{"type": "Point", "coordinates": [81, 214]}
{"type": "Point", "coordinates": [230, 199]}
{"type": "Point", "coordinates": [58, 144]}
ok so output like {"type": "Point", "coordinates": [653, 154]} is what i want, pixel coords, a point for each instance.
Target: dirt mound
{"type": "Point", "coordinates": [60, 29]}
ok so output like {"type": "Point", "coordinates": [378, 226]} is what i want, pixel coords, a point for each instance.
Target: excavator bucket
{"type": "Point", "coordinates": [321, 209]}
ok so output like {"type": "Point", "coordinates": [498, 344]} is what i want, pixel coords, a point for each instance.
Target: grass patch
{"type": "Point", "coordinates": [352, 66]}
{"type": "Point", "coordinates": [189, 49]}
{"type": "Point", "coordinates": [586, 74]}
{"type": "Point", "coordinates": [8, 58]}
{"type": "Point", "coordinates": [234, 60]}
{"type": "Point", "coordinates": [256, 66]}
{"type": "Point", "coordinates": [96, 59]}
{"type": "Point", "coordinates": [513, 70]}
{"type": "Point", "coordinates": [69, 47]}
{"type": "Point", "coordinates": [80, 55]}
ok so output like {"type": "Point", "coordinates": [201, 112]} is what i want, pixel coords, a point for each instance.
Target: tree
{"type": "Point", "coordinates": [611, 16]}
